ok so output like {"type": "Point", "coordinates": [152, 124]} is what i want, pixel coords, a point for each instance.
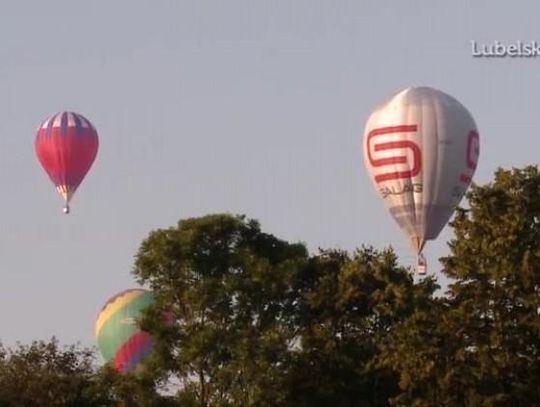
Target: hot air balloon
{"type": "Point", "coordinates": [66, 145]}
{"type": "Point", "coordinates": [119, 338]}
{"type": "Point", "coordinates": [421, 149]}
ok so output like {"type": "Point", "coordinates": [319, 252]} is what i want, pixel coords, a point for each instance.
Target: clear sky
{"type": "Point", "coordinates": [253, 107]}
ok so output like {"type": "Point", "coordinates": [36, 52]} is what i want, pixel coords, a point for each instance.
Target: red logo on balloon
{"type": "Point", "coordinates": [395, 159]}
{"type": "Point", "coordinates": [473, 152]}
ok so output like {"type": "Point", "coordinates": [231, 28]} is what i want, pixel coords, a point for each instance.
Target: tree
{"type": "Point", "coordinates": [348, 305]}
{"type": "Point", "coordinates": [128, 390]}
{"type": "Point", "coordinates": [230, 289]}
{"type": "Point", "coordinates": [44, 374]}
{"type": "Point", "coordinates": [481, 344]}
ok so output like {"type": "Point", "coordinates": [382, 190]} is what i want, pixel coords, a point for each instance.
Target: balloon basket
{"type": "Point", "coordinates": [421, 265]}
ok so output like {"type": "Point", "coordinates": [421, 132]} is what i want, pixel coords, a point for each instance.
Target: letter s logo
{"type": "Point", "coordinates": [394, 159]}
{"type": "Point", "coordinates": [473, 152]}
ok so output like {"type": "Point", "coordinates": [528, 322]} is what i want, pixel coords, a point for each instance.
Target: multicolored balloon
{"type": "Point", "coordinates": [119, 338]}
{"type": "Point", "coordinates": [66, 145]}
{"type": "Point", "coordinates": [421, 149]}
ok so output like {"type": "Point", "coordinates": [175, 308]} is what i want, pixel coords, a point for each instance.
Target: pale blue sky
{"type": "Point", "coordinates": [254, 107]}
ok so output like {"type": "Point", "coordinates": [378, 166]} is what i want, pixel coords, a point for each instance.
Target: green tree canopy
{"type": "Point", "coordinates": [260, 322]}
{"type": "Point", "coordinates": [45, 374]}
{"type": "Point", "coordinates": [348, 304]}
{"type": "Point", "coordinates": [481, 344]}
{"type": "Point", "coordinates": [230, 288]}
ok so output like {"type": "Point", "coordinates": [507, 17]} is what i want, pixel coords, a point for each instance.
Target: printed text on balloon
{"type": "Point", "coordinates": [386, 146]}
{"type": "Point", "coordinates": [473, 152]}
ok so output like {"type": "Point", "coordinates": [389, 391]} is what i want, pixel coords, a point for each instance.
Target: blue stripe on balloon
{"type": "Point", "coordinates": [64, 125]}
{"type": "Point", "coordinates": [138, 356]}
{"type": "Point", "coordinates": [78, 124]}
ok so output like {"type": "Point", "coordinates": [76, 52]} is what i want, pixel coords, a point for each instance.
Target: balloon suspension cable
{"type": "Point", "coordinates": [421, 266]}
{"type": "Point", "coordinates": [66, 209]}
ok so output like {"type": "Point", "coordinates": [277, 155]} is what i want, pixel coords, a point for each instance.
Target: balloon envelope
{"type": "Point", "coordinates": [421, 149]}
{"type": "Point", "coordinates": [119, 338]}
{"type": "Point", "coordinates": [66, 145]}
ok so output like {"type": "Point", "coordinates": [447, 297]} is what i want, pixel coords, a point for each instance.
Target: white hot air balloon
{"type": "Point", "coordinates": [421, 149]}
